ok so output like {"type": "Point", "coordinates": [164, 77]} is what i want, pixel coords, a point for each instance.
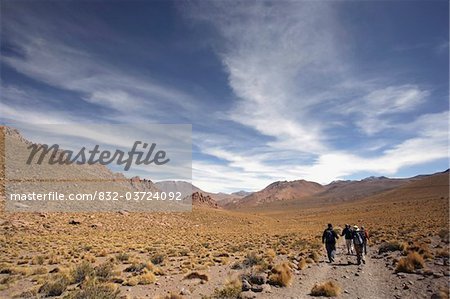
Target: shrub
{"type": "Point", "coordinates": [38, 260]}
{"type": "Point", "coordinates": [135, 267]}
{"type": "Point", "coordinates": [408, 264]}
{"type": "Point", "coordinates": [281, 275]}
{"type": "Point", "coordinates": [122, 257]}
{"type": "Point", "coordinates": [82, 271]}
{"type": "Point", "coordinates": [302, 264]}
{"type": "Point", "coordinates": [157, 259]}
{"type": "Point", "coordinates": [94, 289]}
{"type": "Point", "coordinates": [105, 270]}
{"type": "Point", "coordinates": [146, 278]}
{"type": "Point", "coordinates": [327, 289]}
{"type": "Point", "coordinates": [230, 290]}
{"type": "Point", "coordinates": [55, 287]}
{"type": "Point", "coordinates": [391, 246]}
{"type": "Point", "coordinates": [252, 259]}
{"type": "Point", "coordinates": [315, 256]}
{"type": "Point", "coordinates": [270, 255]}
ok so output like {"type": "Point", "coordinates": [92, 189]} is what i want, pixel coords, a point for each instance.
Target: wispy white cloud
{"type": "Point", "coordinates": [293, 83]}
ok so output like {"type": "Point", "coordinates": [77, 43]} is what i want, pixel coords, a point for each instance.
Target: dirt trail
{"type": "Point", "coordinates": [370, 280]}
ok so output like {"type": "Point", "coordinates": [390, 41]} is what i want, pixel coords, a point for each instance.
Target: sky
{"type": "Point", "coordinates": [274, 90]}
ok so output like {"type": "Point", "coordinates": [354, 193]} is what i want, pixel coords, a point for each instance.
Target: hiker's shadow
{"type": "Point", "coordinates": [344, 264]}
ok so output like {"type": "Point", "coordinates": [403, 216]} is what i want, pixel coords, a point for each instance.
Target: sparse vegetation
{"type": "Point", "coordinates": [281, 275]}
{"type": "Point", "coordinates": [391, 246]}
{"type": "Point", "coordinates": [410, 263]}
{"type": "Point", "coordinates": [230, 290]}
{"type": "Point", "coordinates": [327, 289]}
{"type": "Point", "coordinates": [97, 290]}
{"type": "Point", "coordinates": [82, 271]}
{"type": "Point", "coordinates": [54, 287]}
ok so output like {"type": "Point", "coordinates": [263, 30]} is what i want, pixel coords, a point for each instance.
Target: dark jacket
{"type": "Point", "coordinates": [348, 233]}
{"type": "Point", "coordinates": [329, 236]}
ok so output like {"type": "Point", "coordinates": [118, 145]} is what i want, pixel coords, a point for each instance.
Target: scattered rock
{"type": "Point", "coordinates": [246, 286]}
{"type": "Point", "coordinates": [257, 288]}
{"type": "Point", "coordinates": [266, 288]}
{"type": "Point", "coordinates": [258, 279]}
{"type": "Point", "coordinates": [185, 292]}
{"type": "Point", "coordinates": [74, 222]}
{"type": "Point", "coordinates": [437, 275]}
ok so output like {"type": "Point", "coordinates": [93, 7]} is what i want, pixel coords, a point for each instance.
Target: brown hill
{"type": "Point", "coordinates": [279, 191]}
{"type": "Point", "coordinates": [352, 190]}
{"type": "Point", "coordinates": [429, 187]}
{"type": "Point", "coordinates": [371, 190]}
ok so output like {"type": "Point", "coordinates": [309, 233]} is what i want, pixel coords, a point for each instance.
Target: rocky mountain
{"type": "Point", "coordinates": [279, 191]}
{"type": "Point", "coordinates": [199, 199]}
{"type": "Point", "coordinates": [64, 178]}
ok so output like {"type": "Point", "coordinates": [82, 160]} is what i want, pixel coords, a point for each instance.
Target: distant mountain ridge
{"type": "Point", "coordinates": [278, 191]}
{"type": "Point", "coordinates": [336, 191]}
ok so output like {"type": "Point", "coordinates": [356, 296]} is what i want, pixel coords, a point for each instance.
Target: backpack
{"type": "Point", "coordinates": [358, 238]}
{"type": "Point", "coordinates": [329, 236]}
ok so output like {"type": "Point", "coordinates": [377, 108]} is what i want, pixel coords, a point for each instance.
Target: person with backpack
{"type": "Point", "coordinates": [348, 233]}
{"type": "Point", "coordinates": [358, 241]}
{"type": "Point", "coordinates": [329, 238]}
{"type": "Point", "coordinates": [366, 239]}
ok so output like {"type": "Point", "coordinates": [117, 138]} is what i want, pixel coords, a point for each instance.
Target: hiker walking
{"type": "Point", "coordinates": [358, 241]}
{"type": "Point", "coordinates": [329, 238]}
{"type": "Point", "coordinates": [348, 233]}
{"type": "Point", "coordinates": [366, 239]}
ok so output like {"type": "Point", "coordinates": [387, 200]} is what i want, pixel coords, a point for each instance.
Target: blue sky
{"type": "Point", "coordinates": [319, 90]}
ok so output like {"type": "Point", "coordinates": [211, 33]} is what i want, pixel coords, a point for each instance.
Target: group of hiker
{"type": "Point", "coordinates": [355, 239]}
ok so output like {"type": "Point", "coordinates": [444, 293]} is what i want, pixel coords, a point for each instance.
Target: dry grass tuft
{"type": "Point", "coordinates": [54, 287]}
{"type": "Point", "coordinates": [146, 278]}
{"type": "Point", "coordinates": [82, 271]}
{"type": "Point", "coordinates": [327, 289]}
{"type": "Point", "coordinates": [230, 290]}
{"type": "Point", "coordinates": [391, 246]}
{"type": "Point", "coordinates": [408, 264]}
{"type": "Point", "coordinates": [94, 289]}
{"type": "Point", "coordinates": [281, 275]}
{"type": "Point", "coordinates": [302, 264]}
